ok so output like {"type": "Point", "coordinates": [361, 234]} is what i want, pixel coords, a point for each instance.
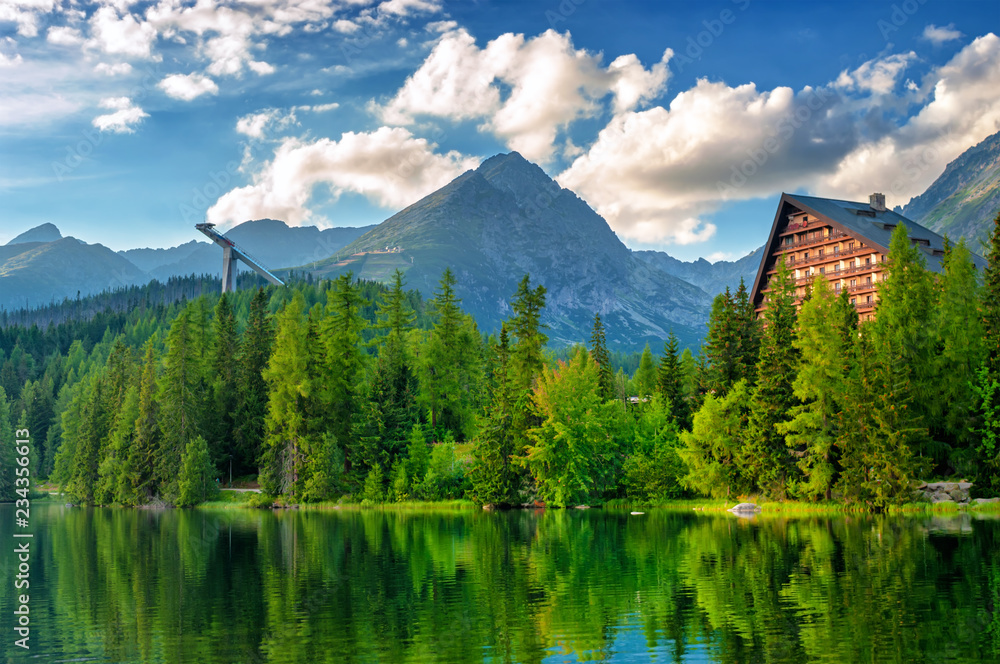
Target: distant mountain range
{"type": "Point", "coordinates": [40, 266]}
{"type": "Point", "coordinates": [491, 226]}
{"type": "Point", "coordinates": [965, 199]}
{"type": "Point", "coordinates": [507, 218]}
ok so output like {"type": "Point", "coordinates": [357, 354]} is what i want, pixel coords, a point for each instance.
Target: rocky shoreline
{"type": "Point", "coordinates": [949, 492]}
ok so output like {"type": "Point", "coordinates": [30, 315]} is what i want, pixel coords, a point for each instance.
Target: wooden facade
{"type": "Point", "coordinates": [845, 242]}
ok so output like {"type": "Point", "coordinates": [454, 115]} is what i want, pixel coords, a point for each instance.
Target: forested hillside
{"type": "Point", "coordinates": [351, 388]}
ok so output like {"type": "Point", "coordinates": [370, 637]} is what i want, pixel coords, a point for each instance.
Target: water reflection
{"type": "Point", "coordinates": [548, 586]}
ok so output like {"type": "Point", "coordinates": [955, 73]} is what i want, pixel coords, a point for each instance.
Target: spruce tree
{"type": "Point", "coordinates": [251, 388]}
{"type": "Point", "coordinates": [670, 381]}
{"type": "Point", "coordinates": [765, 459]}
{"type": "Point", "coordinates": [820, 384]}
{"type": "Point", "coordinates": [526, 358]}
{"type": "Point", "coordinates": [645, 375]}
{"type": "Point", "coordinates": [494, 478]}
{"type": "Point", "coordinates": [196, 483]}
{"type": "Point", "coordinates": [599, 351]}
{"type": "Point", "coordinates": [339, 386]}
{"type": "Point", "coordinates": [722, 346]}
{"type": "Point", "coordinates": [225, 393]}
{"type": "Point", "coordinates": [289, 388]}
{"type": "Point", "coordinates": [7, 454]}
{"type": "Point", "coordinates": [988, 377]}
{"type": "Point", "coordinates": [748, 335]}
{"type": "Point", "coordinates": [141, 455]}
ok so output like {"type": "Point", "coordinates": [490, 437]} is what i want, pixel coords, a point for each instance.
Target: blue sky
{"type": "Point", "coordinates": [126, 122]}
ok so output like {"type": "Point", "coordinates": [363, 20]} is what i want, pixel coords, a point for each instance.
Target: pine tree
{"type": "Point", "coordinates": [94, 427]}
{"type": "Point", "coordinates": [748, 334]}
{"type": "Point", "coordinates": [251, 388]}
{"type": "Point", "coordinates": [645, 375]}
{"type": "Point", "coordinates": [526, 358]}
{"type": "Point", "coordinates": [988, 376]}
{"type": "Point", "coordinates": [823, 341]}
{"type": "Point", "coordinates": [182, 396]}
{"type": "Point", "coordinates": [961, 352]}
{"type": "Point", "coordinates": [765, 459]}
{"type": "Point", "coordinates": [339, 387]}
{"type": "Point", "coordinates": [494, 478]}
{"type": "Point", "coordinates": [225, 393]}
{"type": "Point", "coordinates": [196, 483]}
{"type": "Point", "coordinates": [903, 329]}
{"type": "Point", "coordinates": [599, 351]}
{"type": "Point", "coordinates": [7, 455]}
{"type": "Point", "coordinates": [141, 456]}
{"type": "Point", "coordinates": [722, 347]}
{"type": "Point", "coordinates": [670, 381]}
{"type": "Point", "coordinates": [289, 388]}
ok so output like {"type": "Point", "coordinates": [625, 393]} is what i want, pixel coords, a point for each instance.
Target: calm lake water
{"type": "Point", "coordinates": [115, 585]}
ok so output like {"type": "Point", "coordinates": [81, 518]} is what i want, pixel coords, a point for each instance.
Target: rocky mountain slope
{"type": "Point", "coordinates": [713, 278]}
{"type": "Point", "coordinates": [36, 273]}
{"type": "Point", "coordinates": [43, 233]}
{"type": "Point", "coordinates": [965, 199]}
{"type": "Point", "coordinates": [508, 218]}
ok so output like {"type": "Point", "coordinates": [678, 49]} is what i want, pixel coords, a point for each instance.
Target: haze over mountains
{"type": "Point", "coordinates": [491, 225]}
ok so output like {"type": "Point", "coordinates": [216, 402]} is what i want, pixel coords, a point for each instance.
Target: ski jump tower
{"type": "Point", "coordinates": [232, 253]}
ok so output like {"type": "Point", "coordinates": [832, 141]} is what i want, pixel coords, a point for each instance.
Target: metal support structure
{"type": "Point", "coordinates": [232, 253]}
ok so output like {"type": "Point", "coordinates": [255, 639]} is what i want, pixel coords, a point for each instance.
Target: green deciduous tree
{"type": "Point", "coordinates": [712, 449]}
{"type": "Point", "coordinates": [645, 375]}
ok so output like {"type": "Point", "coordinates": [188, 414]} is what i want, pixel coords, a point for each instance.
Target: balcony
{"type": "Point", "coordinates": [805, 242]}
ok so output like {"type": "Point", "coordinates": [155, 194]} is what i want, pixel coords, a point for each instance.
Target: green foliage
{"type": "Point", "coordinates": [251, 388]}
{"type": "Point", "coordinates": [765, 458]}
{"type": "Point", "coordinates": [197, 482]}
{"type": "Point", "coordinates": [445, 476]}
{"type": "Point", "coordinates": [7, 456]}
{"type": "Point", "coordinates": [823, 339]}
{"type": "Point", "coordinates": [712, 450]}
{"type": "Point", "coordinates": [645, 375]}
{"type": "Point", "coordinates": [599, 351]}
{"type": "Point", "coordinates": [374, 489]}
{"type": "Point", "coordinates": [570, 449]}
{"type": "Point", "coordinates": [987, 391]}
{"type": "Point", "coordinates": [670, 381]}
{"type": "Point", "coordinates": [654, 470]}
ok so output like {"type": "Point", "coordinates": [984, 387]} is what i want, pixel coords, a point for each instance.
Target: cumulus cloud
{"type": "Point", "coordinates": [64, 36]}
{"type": "Point", "coordinates": [187, 87]}
{"type": "Point", "coordinates": [409, 7]}
{"type": "Point", "coordinates": [389, 166]}
{"type": "Point", "coordinates": [551, 84]}
{"type": "Point", "coordinates": [112, 32]}
{"type": "Point", "coordinates": [658, 174]}
{"type": "Point", "coordinates": [25, 14]}
{"type": "Point", "coordinates": [125, 116]}
{"type": "Point", "coordinates": [878, 76]}
{"type": "Point", "coordinates": [117, 69]}
{"type": "Point", "coordinates": [936, 35]}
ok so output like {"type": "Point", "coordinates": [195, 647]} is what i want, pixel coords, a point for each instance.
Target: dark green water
{"type": "Point", "coordinates": [112, 585]}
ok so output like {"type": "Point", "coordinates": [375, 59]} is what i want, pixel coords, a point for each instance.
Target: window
{"type": "Point", "coordinates": [854, 300]}
{"type": "Point", "coordinates": [836, 287]}
{"type": "Point", "coordinates": [869, 281]}
{"type": "Point", "coordinates": [822, 270]}
{"type": "Point", "coordinates": [868, 261]}
{"type": "Point", "coordinates": [851, 265]}
{"type": "Point", "coordinates": [836, 268]}
{"type": "Point", "coordinates": [820, 253]}
{"type": "Point", "coordinates": [854, 282]}
{"type": "Point", "coordinates": [805, 255]}
{"type": "Point", "coordinates": [850, 245]}
{"type": "Point", "coordinates": [869, 299]}
{"type": "Point", "coordinates": [836, 250]}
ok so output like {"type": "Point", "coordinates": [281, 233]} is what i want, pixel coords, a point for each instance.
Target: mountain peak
{"type": "Point", "coordinates": [514, 174]}
{"type": "Point", "coordinates": [43, 233]}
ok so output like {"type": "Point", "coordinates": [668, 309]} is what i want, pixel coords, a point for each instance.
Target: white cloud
{"type": "Point", "coordinates": [878, 76]}
{"type": "Point", "coordinates": [320, 108]}
{"type": "Point", "coordinates": [254, 124]}
{"type": "Point", "coordinates": [187, 87]}
{"type": "Point", "coordinates": [124, 118]}
{"type": "Point", "coordinates": [118, 69]}
{"type": "Point", "coordinates": [409, 7]}
{"type": "Point", "coordinates": [964, 109]}
{"type": "Point", "coordinates": [936, 35]}
{"type": "Point", "coordinates": [25, 14]}
{"type": "Point", "coordinates": [122, 34]}
{"type": "Point", "coordinates": [64, 36]}
{"type": "Point", "coordinates": [346, 27]}
{"type": "Point", "coordinates": [551, 84]}
{"type": "Point", "coordinates": [389, 166]}
{"type": "Point", "coordinates": [10, 61]}
{"type": "Point", "coordinates": [657, 175]}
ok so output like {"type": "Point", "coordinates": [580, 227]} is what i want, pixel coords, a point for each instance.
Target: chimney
{"type": "Point", "coordinates": [877, 202]}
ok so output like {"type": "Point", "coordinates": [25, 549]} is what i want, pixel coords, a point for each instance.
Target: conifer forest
{"type": "Point", "coordinates": [351, 390]}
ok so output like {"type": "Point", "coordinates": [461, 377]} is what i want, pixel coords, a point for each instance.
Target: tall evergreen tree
{"type": "Point", "coordinates": [766, 459]}
{"type": "Point", "coordinates": [599, 351]}
{"type": "Point", "coordinates": [140, 459]}
{"type": "Point", "coordinates": [526, 360]}
{"type": "Point", "coordinates": [645, 375]}
{"type": "Point", "coordinates": [494, 477]}
{"type": "Point", "coordinates": [251, 388]}
{"type": "Point", "coordinates": [339, 388]}
{"type": "Point", "coordinates": [988, 378]}
{"type": "Point", "coordinates": [670, 381]}
{"type": "Point", "coordinates": [7, 455]}
{"type": "Point", "coordinates": [722, 346]}
{"type": "Point", "coordinates": [225, 391]}
{"type": "Point", "coordinates": [289, 388]}
{"type": "Point", "coordinates": [903, 330]}
{"type": "Point", "coordinates": [748, 335]}
{"type": "Point", "coordinates": [823, 340]}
